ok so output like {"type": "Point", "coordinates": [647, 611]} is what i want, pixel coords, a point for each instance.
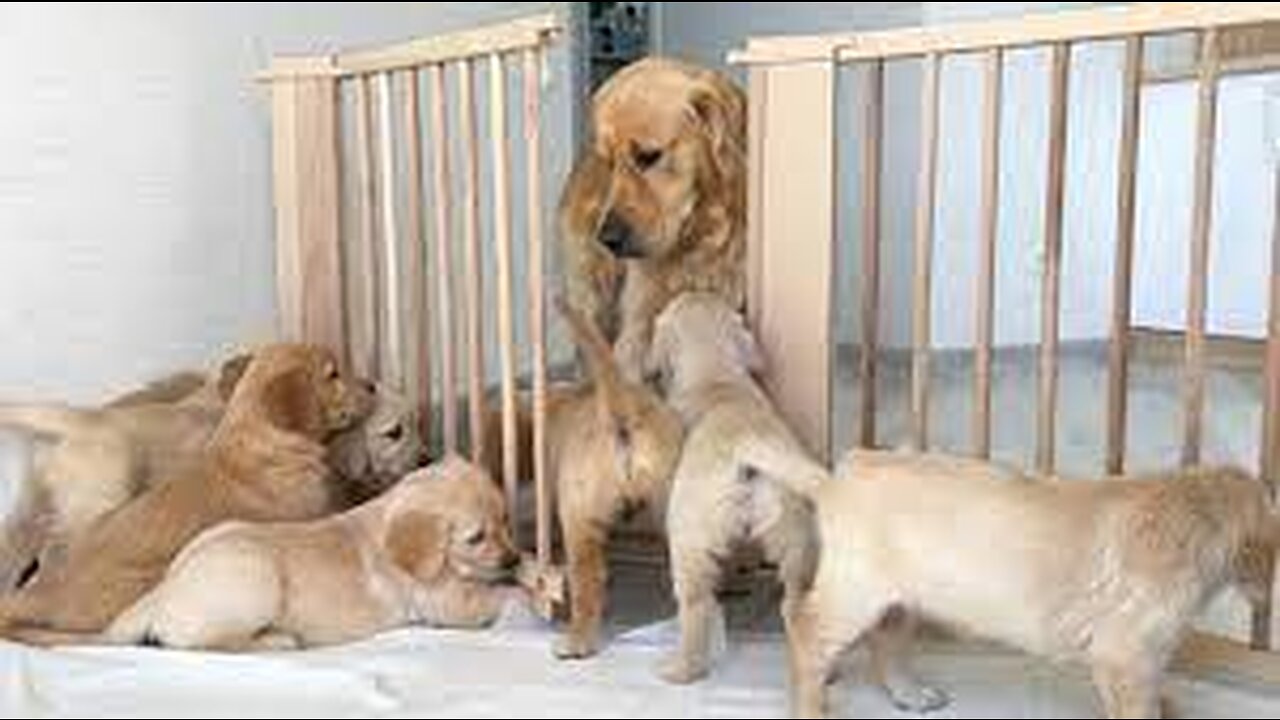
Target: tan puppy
{"type": "Point", "coordinates": [742, 476]}
{"type": "Point", "coordinates": [427, 552]}
{"type": "Point", "coordinates": [97, 459]}
{"type": "Point", "coordinates": [1109, 573]}
{"type": "Point", "coordinates": [656, 203]}
{"type": "Point", "coordinates": [613, 447]}
{"type": "Point", "coordinates": [377, 452]}
{"type": "Point", "coordinates": [266, 461]}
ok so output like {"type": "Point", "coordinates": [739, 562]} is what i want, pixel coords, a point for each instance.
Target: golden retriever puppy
{"type": "Point", "coordinates": [742, 478]}
{"type": "Point", "coordinates": [372, 456]}
{"type": "Point", "coordinates": [171, 388]}
{"type": "Point", "coordinates": [265, 461]}
{"type": "Point", "coordinates": [93, 460]}
{"type": "Point", "coordinates": [429, 551]}
{"type": "Point", "coordinates": [656, 203]}
{"type": "Point", "coordinates": [1109, 573]}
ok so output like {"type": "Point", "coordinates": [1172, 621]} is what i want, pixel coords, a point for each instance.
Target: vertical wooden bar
{"type": "Point", "coordinates": [873, 162]}
{"type": "Point", "coordinates": [1122, 279]}
{"type": "Point", "coordinates": [367, 357]}
{"type": "Point", "coordinates": [796, 245]}
{"type": "Point", "coordinates": [307, 172]}
{"type": "Point", "coordinates": [1263, 617]}
{"type": "Point", "coordinates": [502, 238]}
{"type": "Point", "coordinates": [393, 314]}
{"type": "Point", "coordinates": [1051, 296]}
{"type": "Point", "coordinates": [1201, 230]}
{"type": "Point", "coordinates": [472, 256]}
{"type": "Point", "coordinates": [923, 272]}
{"type": "Point", "coordinates": [443, 196]}
{"type": "Point", "coordinates": [989, 235]}
{"type": "Point", "coordinates": [757, 104]}
{"type": "Point", "coordinates": [415, 237]}
{"type": "Point", "coordinates": [537, 294]}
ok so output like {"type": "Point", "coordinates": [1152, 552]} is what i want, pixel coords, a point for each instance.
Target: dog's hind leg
{"type": "Point", "coordinates": [588, 574]}
{"type": "Point", "coordinates": [821, 626]}
{"type": "Point", "coordinates": [696, 573]}
{"type": "Point", "coordinates": [890, 645]}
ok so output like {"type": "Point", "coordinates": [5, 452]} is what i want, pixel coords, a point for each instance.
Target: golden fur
{"type": "Point", "coordinates": [1108, 572]}
{"type": "Point", "coordinates": [429, 551]}
{"type": "Point", "coordinates": [743, 475]}
{"type": "Point", "coordinates": [265, 461]}
{"type": "Point", "coordinates": [656, 203]}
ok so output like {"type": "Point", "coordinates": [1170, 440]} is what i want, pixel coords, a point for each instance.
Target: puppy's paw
{"type": "Point", "coordinates": [680, 670]}
{"type": "Point", "coordinates": [576, 647]}
{"type": "Point", "coordinates": [917, 697]}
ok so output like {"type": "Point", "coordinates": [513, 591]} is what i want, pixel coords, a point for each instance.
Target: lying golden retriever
{"type": "Point", "coordinates": [1109, 573]}
{"type": "Point", "coordinates": [656, 203]}
{"type": "Point", "coordinates": [429, 551]}
{"type": "Point", "coordinates": [743, 476]}
{"type": "Point", "coordinates": [266, 461]}
{"type": "Point", "coordinates": [93, 460]}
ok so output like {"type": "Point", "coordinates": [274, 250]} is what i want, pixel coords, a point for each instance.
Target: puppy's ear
{"type": "Point", "coordinates": [721, 110]}
{"type": "Point", "coordinates": [417, 543]}
{"type": "Point", "coordinates": [291, 404]}
{"type": "Point", "coordinates": [230, 372]}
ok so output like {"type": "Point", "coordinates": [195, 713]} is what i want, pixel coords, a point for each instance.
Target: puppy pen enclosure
{"type": "Point", "coordinates": [362, 268]}
{"type": "Point", "coordinates": [795, 195]}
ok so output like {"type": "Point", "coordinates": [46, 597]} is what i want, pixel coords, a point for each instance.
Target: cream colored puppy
{"type": "Point", "coordinates": [430, 551]}
{"type": "Point", "coordinates": [742, 475]}
{"type": "Point", "coordinates": [1108, 572]}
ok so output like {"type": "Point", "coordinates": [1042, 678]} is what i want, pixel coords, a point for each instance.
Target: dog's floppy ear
{"type": "Point", "coordinates": [721, 110]}
{"type": "Point", "coordinates": [417, 543]}
{"type": "Point", "coordinates": [290, 402]}
{"type": "Point", "coordinates": [230, 372]}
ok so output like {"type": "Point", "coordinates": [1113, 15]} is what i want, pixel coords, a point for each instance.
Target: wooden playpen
{"type": "Point", "coordinates": [355, 255]}
{"type": "Point", "coordinates": [793, 201]}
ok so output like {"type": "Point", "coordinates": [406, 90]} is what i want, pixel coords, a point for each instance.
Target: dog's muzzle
{"type": "Point", "coordinates": [618, 238]}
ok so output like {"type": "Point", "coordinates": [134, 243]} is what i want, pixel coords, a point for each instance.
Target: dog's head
{"type": "Point", "coordinates": [667, 163]}
{"type": "Point", "coordinates": [379, 450]}
{"type": "Point", "coordinates": [450, 518]}
{"type": "Point", "coordinates": [645, 433]}
{"type": "Point", "coordinates": [299, 389]}
{"type": "Point", "coordinates": [699, 336]}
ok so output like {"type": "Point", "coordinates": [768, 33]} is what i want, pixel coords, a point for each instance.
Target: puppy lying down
{"type": "Point", "coordinates": [1110, 573]}
{"type": "Point", "coordinates": [432, 551]}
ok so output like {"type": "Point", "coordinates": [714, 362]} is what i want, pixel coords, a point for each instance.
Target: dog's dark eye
{"type": "Point", "coordinates": [623, 434]}
{"type": "Point", "coordinates": [332, 373]}
{"type": "Point", "coordinates": [646, 158]}
{"type": "Point", "coordinates": [475, 537]}
{"type": "Point", "coordinates": [395, 433]}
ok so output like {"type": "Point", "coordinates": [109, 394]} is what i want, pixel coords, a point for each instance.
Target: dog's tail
{"type": "Point", "coordinates": [50, 421]}
{"type": "Point", "coordinates": [788, 463]}
{"type": "Point", "coordinates": [596, 352]}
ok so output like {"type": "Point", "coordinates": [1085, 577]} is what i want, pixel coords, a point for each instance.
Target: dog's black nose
{"type": "Point", "coordinates": [617, 237]}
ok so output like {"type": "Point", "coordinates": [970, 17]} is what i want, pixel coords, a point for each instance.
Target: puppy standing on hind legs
{"type": "Point", "coordinates": [743, 477]}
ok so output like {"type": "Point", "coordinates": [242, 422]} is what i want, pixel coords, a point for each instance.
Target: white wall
{"type": "Point", "coordinates": [135, 206]}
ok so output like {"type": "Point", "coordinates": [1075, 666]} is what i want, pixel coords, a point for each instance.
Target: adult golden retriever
{"type": "Point", "coordinates": [656, 203]}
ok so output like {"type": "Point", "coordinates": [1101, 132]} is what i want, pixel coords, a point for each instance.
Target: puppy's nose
{"type": "Point", "coordinates": [617, 237]}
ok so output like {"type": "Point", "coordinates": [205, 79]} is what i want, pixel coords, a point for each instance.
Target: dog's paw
{"type": "Point", "coordinates": [679, 670]}
{"type": "Point", "coordinates": [573, 647]}
{"type": "Point", "coordinates": [919, 698]}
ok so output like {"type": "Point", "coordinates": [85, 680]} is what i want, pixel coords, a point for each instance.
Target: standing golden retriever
{"type": "Point", "coordinates": [656, 203]}
{"type": "Point", "coordinates": [429, 551]}
{"type": "Point", "coordinates": [1110, 573]}
{"type": "Point", "coordinates": [266, 461]}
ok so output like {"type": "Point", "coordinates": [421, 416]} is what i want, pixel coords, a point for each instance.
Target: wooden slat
{"type": "Point", "coordinates": [472, 258]}
{"type": "Point", "coordinates": [537, 295]}
{"type": "Point", "coordinates": [1025, 30]}
{"type": "Point", "coordinates": [1051, 296]}
{"type": "Point", "coordinates": [922, 295]}
{"type": "Point", "coordinates": [393, 314]}
{"type": "Point", "coordinates": [415, 239]}
{"type": "Point", "coordinates": [993, 102]}
{"type": "Point", "coordinates": [1122, 272]}
{"type": "Point", "coordinates": [508, 36]}
{"type": "Point", "coordinates": [1270, 445]}
{"type": "Point", "coordinates": [873, 159]}
{"type": "Point", "coordinates": [757, 98]}
{"type": "Point", "coordinates": [442, 194]}
{"type": "Point", "coordinates": [286, 150]}
{"type": "Point", "coordinates": [365, 273]}
{"type": "Point", "coordinates": [502, 239]}
{"type": "Point", "coordinates": [1201, 231]}
{"type": "Point", "coordinates": [797, 247]}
